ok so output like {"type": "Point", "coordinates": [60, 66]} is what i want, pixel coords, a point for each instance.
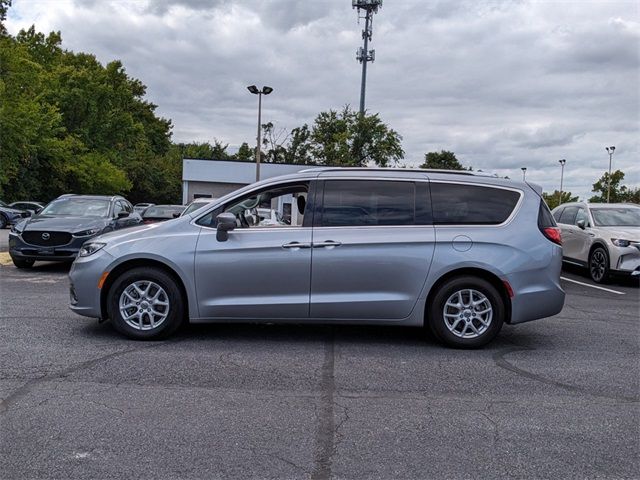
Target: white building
{"type": "Point", "coordinates": [215, 178]}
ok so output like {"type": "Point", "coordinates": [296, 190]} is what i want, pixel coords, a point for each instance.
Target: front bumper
{"type": "Point", "coordinates": [626, 260]}
{"type": "Point", "coordinates": [84, 276]}
{"type": "Point", "coordinates": [20, 249]}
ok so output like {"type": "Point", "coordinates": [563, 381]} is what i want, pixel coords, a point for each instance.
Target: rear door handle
{"type": "Point", "coordinates": [327, 243]}
{"type": "Point", "coordinates": [296, 245]}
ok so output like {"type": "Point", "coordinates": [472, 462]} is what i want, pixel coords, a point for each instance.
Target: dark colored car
{"type": "Point", "coordinates": [60, 229]}
{"type": "Point", "coordinates": [32, 207]}
{"type": "Point", "coordinates": [160, 213]}
{"type": "Point", "coordinates": [10, 215]}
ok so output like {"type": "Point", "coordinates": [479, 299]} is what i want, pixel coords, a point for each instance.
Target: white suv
{"type": "Point", "coordinates": [604, 237]}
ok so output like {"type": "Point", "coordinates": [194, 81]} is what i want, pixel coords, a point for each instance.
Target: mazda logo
{"type": "Point", "coordinates": [46, 236]}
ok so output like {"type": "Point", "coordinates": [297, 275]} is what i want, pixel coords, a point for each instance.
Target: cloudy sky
{"type": "Point", "coordinates": [503, 84]}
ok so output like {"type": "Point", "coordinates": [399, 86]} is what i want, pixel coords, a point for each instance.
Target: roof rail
{"type": "Point", "coordinates": [381, 169]}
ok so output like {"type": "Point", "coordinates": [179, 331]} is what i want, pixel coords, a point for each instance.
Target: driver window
{"type": "Point", "coordinates": [282, 206]}
{"type": "Point", "coordinates": [117, 208]}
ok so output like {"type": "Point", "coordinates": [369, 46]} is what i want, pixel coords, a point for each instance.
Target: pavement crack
{"type": "Point", "coordinates": [501, 362]}
{"type": "Point", "coordinates": [326, 429]}
{"type": "Point", "coordinates": [6, 403]}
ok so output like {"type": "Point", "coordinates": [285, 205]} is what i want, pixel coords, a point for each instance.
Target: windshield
{"type": "Point", "coordinates": [616, 217]}
{"type": "Point", "coordinates": [81, 207]}
{"type": "Point", "coordinates": [193, 207]}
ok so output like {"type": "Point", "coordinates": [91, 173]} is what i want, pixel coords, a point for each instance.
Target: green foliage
{"type": "Point", "coordinates": [443, 160]}
{"type": "Point", "coordinates": [339, 138]}
{"type": "Point", "coordinates": [244, 154]}
{"type": "Point", "coordinates": [4, 6]}
{"type": "Point", "coordinates": [68, 123]}
{"type": "Point", "coordinates": [552, 198]}
{"type": "Point", "coordinates": [619, 193]}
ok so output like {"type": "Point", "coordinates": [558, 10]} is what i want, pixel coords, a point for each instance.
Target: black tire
{"type": "Point", "coordinates": [174, 317]}
{"type": "Point", "coordinates": [23, 262]}
{"type": "Point", "coordinates": [436, 310]}
{"type": "Point", "coordinates": [599, 265]}
{"type": "Point", "coordinates": [3, 221]}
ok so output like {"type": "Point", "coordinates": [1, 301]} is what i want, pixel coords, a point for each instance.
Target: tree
{"type": "Point", "coordinates": [619, 193]}
{"type": "Point", "coordinates": [244, 153]}
{"type": "Point", "coordinates": [349, 139]}
{"type": "Point", "coordinates": [551, 199]}
{"type": "Point", "coordinates": [442, 160]}
{"type": "Point", "coordinates": [4, 6]}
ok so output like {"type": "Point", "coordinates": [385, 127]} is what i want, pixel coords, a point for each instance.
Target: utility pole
{"type": "Point", "coordinates": [610, 151]}
{"type": "Point", "coordinates": [562, 162]}
{"type": "Point", "coordinates": [363, 54]}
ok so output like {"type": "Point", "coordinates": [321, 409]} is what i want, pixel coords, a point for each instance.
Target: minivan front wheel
{"type": "Point", "coordinates": [466, 312]}
{"type": "Point", "coordinates": [145, 303]}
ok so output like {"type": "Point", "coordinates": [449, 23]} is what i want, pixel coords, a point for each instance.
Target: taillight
{"type": "Point", "coordinates": [553, 234]}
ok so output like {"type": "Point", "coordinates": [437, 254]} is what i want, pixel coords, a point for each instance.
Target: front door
{"type": "Point", "coordinates": [372, 248]}
{"type": "Point", "coordinates": [263, 270]}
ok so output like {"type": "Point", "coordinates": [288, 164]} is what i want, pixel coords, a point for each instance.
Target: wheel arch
{"type": "Point", "coordinates": [135, 263]}
{"type": "Point", "coordinates": [490, 277]}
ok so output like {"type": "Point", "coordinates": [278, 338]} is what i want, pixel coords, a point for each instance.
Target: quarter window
{"type": "Point", "coordinates": [355, 203]}
{"type": "Point", "coordinates": [460, 204]}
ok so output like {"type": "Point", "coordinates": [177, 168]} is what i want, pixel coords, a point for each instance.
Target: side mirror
{"type": "Point", "coordinates": [226, 222]}
{"type": "Point", "coordinates": [581, 224]}
{"type": "Point", "coordinates": [176, 215]}
{"type": "Point", "coordinates": [123, 215]}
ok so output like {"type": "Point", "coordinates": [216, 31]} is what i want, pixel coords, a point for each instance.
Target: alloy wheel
{"type": "Point", "coordinates": [467, 313]}
{"type": "Point", "coordinates": [598, 265]}
{"type": "Point", "coordinates": [144, 305]}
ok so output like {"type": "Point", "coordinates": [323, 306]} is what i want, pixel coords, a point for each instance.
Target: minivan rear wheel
{"type": "Point", "coordinates": [145, 303]}
{"type": "Point", "coordinates": [466, 312]}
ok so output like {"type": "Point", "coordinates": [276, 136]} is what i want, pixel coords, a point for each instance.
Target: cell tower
{"type": "Point", "coordinates": [363, 55]}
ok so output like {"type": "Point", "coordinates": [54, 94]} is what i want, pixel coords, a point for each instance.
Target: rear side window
{"type": "Point", "coordinates": [460, 204]}
{"type": "Point", "coordinates": [545, 219]}
{"type": "Point", "coordinates": [568, 215]}
{"type": "Point", "coordinates": [354, 203]}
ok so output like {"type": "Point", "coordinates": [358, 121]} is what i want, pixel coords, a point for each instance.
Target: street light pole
{"type": "Point", "coordinates": [610, 151]}
{"type": "Point", "coordinates": [524, 173]}
{"type": "Point", "coordinates": [562, 162]}
{"type": "Point", "coordinates": [265, 91]}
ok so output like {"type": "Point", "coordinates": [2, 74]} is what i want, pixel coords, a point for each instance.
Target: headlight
{"type": "Point", "coordinates": [18, 227]}
{"type": "Point", "coordinates": [618, 242]}
{"type": "Point", "coordinates": [87, 233]}
{"type": "Point", "coordinates": [90, 248]}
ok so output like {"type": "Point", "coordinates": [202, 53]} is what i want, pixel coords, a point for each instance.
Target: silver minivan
{"type": "Point", "coordinates": [456, 252]}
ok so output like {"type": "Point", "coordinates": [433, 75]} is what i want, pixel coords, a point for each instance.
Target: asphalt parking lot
{"type": "Point", "coordinates": [556, 398]}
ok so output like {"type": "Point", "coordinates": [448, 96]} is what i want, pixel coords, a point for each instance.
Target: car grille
{"type": "Point", "coordinates": [55, 239]}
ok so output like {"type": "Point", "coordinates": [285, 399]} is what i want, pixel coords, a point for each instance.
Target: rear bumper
{"type": "Point", "coordinates": [537, 293]}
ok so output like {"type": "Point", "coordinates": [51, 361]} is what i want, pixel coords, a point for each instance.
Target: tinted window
{"type": "Point", "coordinates": [568, 215]}
{"type": "Point", "coordinates": [459, 204]}
{"type": "Point", "coordinates": [356, 203]}
{"type": "Point", "coordinates": [545, 219]}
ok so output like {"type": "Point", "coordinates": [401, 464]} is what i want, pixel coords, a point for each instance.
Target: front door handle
{"type": "Point", "coordinates": [296, 245]}
{"type": "Point", "coordinates": [327, 243]}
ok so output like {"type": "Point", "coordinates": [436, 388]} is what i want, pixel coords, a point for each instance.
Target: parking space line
{"type": "Point", "coordinates": [592, 286]}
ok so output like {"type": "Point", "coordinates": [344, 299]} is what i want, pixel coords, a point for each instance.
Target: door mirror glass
{"type": "Point", "coordinates": [123, 214]}
{"type": "Point", "coordinates": [582, 224]}
{"type": "Point", "coordinates": [226, 222]}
